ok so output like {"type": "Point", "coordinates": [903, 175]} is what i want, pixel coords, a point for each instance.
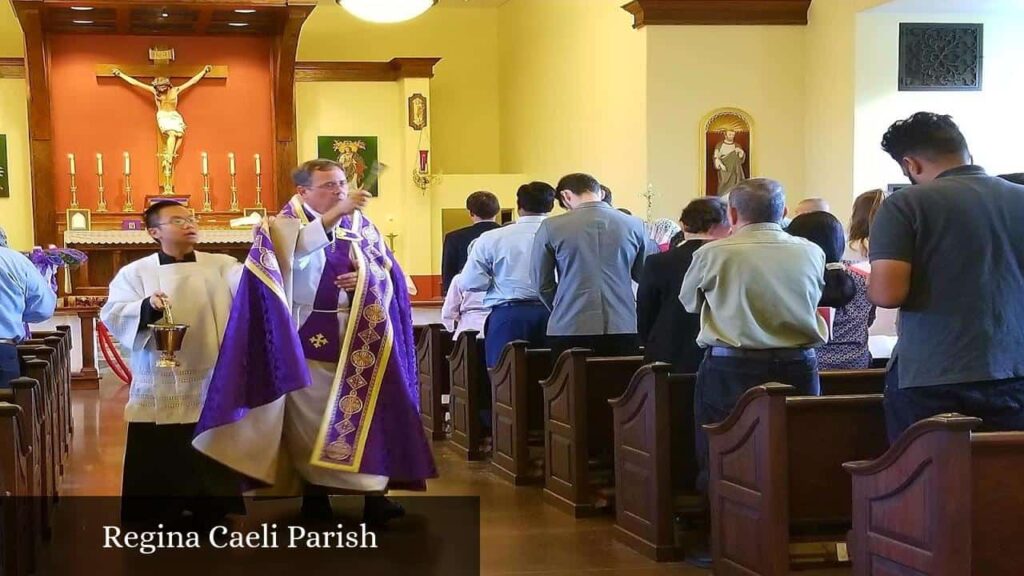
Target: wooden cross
{"type": "Point", "coordinates": [162, 59]}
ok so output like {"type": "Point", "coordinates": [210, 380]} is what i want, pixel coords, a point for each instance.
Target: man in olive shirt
{"type": "Point", "coordinates": [757, 293]}
{"type": "Point", "coordinates": [949, 253]}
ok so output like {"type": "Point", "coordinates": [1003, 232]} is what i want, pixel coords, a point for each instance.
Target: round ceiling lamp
{"type": "Point", "coordinates": [386, 11]}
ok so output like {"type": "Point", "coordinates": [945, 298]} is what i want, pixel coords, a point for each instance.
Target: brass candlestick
{"type": "Point", "coordinates": [234, 194]}
{"type": "Point", "coordinates": [128, 206]}
{"type": "Point", "coordinates": [207, 205]}
{"type": "Point", "coordinates": [74, 192]}
{"type": "Point", "coordinates": [102, 205]}
{"type": "Point", "coordinates": [259, 190]}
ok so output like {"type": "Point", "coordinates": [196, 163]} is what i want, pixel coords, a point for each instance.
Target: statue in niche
{"type": "Point", "coordinates": [729, 158]}
{"type": "Point", "coordinates": [169, 121]}
{"type": "Point", "coordinates": [726, 139]}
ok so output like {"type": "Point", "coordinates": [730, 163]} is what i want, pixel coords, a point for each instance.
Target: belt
{"type": "Point", "coordinates": [519, 303]}
{"type": "Point", "coordinates": [773, 354]}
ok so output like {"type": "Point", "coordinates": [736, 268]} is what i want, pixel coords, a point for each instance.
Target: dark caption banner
{"type": "Point", "coordinates": [439, 535]}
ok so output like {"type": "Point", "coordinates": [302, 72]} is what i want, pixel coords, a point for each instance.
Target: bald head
{"type": "Point", "coordinates": [808, 205]}
{"type": "Point", "coordinates": [757, 201]}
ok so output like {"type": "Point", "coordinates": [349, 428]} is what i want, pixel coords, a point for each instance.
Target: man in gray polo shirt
{"type": "Point", "coordinates": [949, 253]}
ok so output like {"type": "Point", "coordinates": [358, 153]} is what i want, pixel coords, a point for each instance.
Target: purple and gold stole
{"type": "Point", "coordinates": [363, 356]}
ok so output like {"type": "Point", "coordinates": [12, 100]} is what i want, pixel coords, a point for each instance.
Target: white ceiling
{"type": "Point", "coordinates": [952, 6]}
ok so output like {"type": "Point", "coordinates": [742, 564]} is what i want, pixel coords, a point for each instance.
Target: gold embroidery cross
{"type": "Point", "coordinates": [318, 341]}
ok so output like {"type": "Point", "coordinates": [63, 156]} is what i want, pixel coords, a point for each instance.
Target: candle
{"type": "Point", "coordinates": [71, 160]}
{"type": "Point", "coordinates": [206, 164]}
{"type": "Point", "coordinates": [231, 163]}
{"type": "Point", "coordinates": [127, 164]}
{"type": "Point", "coordinates": [258, 169]}
{"type": "Point", "coordinates": [99, 164]}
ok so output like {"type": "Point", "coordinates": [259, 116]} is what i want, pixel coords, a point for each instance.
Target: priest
{"type": "Point", "coordinates": [316, 390]}
{"type": "Point", "coordinates": [163, 475]}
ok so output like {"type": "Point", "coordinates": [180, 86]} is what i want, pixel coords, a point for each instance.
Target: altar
{"type": "Point", "coordinates": [109, 247]}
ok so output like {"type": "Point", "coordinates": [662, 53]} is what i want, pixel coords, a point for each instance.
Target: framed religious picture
{"type": "Point", "coordinates": [357, 154]}
{"type": "Point", "coordinates": [261, 212]}
{"type": "Point", "coordinates": [5, 180]}
{"type": "Point", "coordinates": [726, 139]}
{"type": "Point", "coordinates": [417, 111]}
{"type": "Point", "coordinates": [79, 219]}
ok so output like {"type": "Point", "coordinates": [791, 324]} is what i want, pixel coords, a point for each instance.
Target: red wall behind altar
{"type": "Point", "coordinates": [104, 115]}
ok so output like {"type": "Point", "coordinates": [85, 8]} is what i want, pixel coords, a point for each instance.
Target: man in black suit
{"type": "Point", "coordinates": [667, 330]}
{"type": "Point", "coordinates": [483, 211]}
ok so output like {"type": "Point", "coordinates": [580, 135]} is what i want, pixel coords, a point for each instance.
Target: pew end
{"type": "Point", "coordinates": [432, 350]}
{"type": "Point", "coordinates": [466, 370]}
{"type": "Point", "coordinates": [518, 410]}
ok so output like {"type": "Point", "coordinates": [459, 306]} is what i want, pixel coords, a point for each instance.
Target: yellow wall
{"type": "Point", "coordinates": [573, 93]}
{"type": "Point", "coordinates": [16, 211]}
{"type": "Point", "coordinates": [11, 41]}
{"type": "Point", "coordinates": [693, 70]}
{"type": "Point", "coordinates": [464, 109]}
{"type": "Point", "coordinates": [986, 117]}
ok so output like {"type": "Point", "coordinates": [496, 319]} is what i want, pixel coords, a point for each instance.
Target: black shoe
{"type": "Point", "coordinates": [379, 510]}
{"type": "Point", "coordinates": [317, 507]}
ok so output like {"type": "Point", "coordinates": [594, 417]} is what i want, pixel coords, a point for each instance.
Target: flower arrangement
{"type": "Point", "coordinates": [48, 260]}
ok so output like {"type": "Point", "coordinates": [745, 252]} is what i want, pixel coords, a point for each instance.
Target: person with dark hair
{"type": "Point", "coordinates": [757, 293]}
{"type": "Point", "coordinates": [581, 261]}
{"type": "Point", "coordinates": [320, 365]}
{"type": "Point", "coordinates": [845, 291]}
{"type": "Point", "coordinates": [606, 195]}
{"type": "Point", "coordinates": [163, 475]}
{"type": "Point", "coordinates": [1016, 178]}
{"type": "Point", "coordinates": [960, 294]}
{"type": "Point", "coordinates": [483, 210]}
{"type": "Point", "coordinates": [667, 331]}
{"type": "Point", "coordinates": [864, 209]}
{"type": "Point", "coordinates": [500, 264]}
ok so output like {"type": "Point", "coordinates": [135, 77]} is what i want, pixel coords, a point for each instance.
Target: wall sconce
{"type": "Point", "coordinates": [421, 176]}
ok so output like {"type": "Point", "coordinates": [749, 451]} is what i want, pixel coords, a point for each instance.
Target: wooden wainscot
{"type": "Point", "coordinates": [518, 411]}
{"type": "Point", "coordinates": [432, 349]}
{"type": "Point", "coordinates": [778, 493]}
{"type": "Point", "coordinates": [943, 501]}
{"type": "Point", "coordinates": [655, 460]}
{"type": "Point", "coordinates": [578, 436]}
{"type": "Point", "coordinates": [468, 374]}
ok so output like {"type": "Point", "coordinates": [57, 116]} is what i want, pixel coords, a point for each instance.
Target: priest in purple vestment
{"type": "Point", "coordinates": [315, 389]}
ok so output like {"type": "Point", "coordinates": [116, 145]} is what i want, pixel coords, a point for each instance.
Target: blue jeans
{"type": "Point", "coordinates": [999, 403]}
{"type": "Point", "coordinates": [721, 382]}
{"type": "Point", "coordinates": [9, 366]}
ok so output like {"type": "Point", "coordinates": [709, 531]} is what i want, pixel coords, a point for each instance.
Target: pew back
{"type": "Point", "coordinates": [851, 382]}
{"type": "Point", "coordinates": [518, 408]}
{"type": "Point", "coordinates": [432, 351]}
{"type": "Point", "coordinates": [467, 374]}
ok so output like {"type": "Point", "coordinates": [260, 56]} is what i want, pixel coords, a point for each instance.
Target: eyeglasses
{"type": "Point", "coordinates": [331, 186]}
{"type": "Point", "coordinates": [180, 222]}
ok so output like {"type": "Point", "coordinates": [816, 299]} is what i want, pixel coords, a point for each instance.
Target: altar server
{"type": "Point", "coordinates": [162, 472]}
{"type": "Point", "coordinates": [336, 401]}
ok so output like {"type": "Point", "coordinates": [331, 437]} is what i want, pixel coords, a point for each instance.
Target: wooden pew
{"type": "Point", "coordinates": [776, 477]}
{"type": "Point", "coordinates": [61, 360]}
{"type": "Point", "coordinates": [38, 370]}
{"type": "Point", "coordinates": [943, 501]}
{"type": "Point", "coordinates": [851, 382]}
{"type": "Point", "coordinates": [655, 459]}
{"type": "Point", "coordinates": [51, 384]}
{"type": "Point", "coordinates": [15, 470]}
{"type": "Point", "coordinates": [63, 332]}
{"type": "Point", "coordinates": [518, 409]}
{"type": "Point", "coordinates": [578, 427]}
{"type": "Point", "coordinates": [432, 351]}
{"type": "Point", "coordinates": [467, 374]}
{"type": "Point", "coordinates": [23, 393]}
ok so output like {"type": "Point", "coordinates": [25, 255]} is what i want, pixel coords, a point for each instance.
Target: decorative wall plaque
{"type": "Point", "coordinates": [938, 57]}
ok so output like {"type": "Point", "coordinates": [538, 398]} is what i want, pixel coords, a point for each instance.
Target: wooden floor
{"type": "Point", "coordinates": [520, 535]}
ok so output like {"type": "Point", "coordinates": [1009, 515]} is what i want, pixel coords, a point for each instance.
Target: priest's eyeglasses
{"type": "Point", "coordinates": [333, 186]}
{"type": "Point", "coordinates": [181, 222]}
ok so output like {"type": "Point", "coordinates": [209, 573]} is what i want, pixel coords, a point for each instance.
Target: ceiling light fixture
{"type": "Point", "coordinates": [82, 21]}
{"type": "Point", "coordinates": [238, 24]}
{"type": "Point", "coordinates": [386, 11]}
{"type": "Point", "coordinates": [245, 11]}
{"type": "Point", "coordinates": [82, 8]}
{"type": "Point", "coordinates": [164, 15]}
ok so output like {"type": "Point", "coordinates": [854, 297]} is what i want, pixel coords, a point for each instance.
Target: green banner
{"type": "Point", "coordinates": [357, 154]}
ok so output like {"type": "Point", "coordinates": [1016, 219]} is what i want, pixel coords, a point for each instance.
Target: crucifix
{"type": "Point", "coordinates": [170, 123]}
{"type": "Point", "coordinates": [391, 240]}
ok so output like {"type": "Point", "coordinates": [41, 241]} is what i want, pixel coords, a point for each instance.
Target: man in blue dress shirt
{"type": "Point", "coordinates": [25, 297]}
